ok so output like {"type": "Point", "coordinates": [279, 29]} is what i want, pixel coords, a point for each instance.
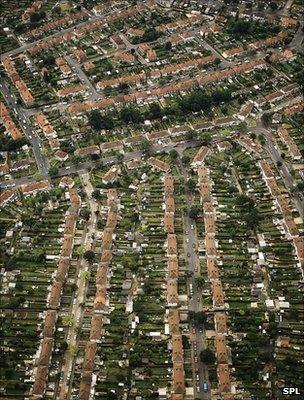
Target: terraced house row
{"type": "Point", "coordinates": [53, 303]}
{"type": "Point", "coordinates": [101, 302]}
{"type": "Point", "coordinates": [181, 86]}
{"type": "Point", "coordinates": [178, 384]}
{"type": "Point", "coordinates": [212, 256]}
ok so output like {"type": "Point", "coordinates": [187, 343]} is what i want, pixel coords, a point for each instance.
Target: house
{"type": "Point", "coordinates": [172, 293]}
{"type": "Point", "coordinates": [49, 323]}
{"type": "Point", "coordinates": [133, 140]}
{"type": "Point", "coordinates": [85, 151]}
{"type": "Point", "coordinates": [169, 204]}
{"type": "Point", "coordinates": [9, 123]}
{"type": "Point", "coordinates": [171, 244]}
{"type": "Point", "coordinates": [157, 164]}
{"type": "Point", "coordinates": [209, 221]}
{"type": "Point", "coordinates": [134, 164]}
{"type": "Point", "coordinates": [212, 269]}
{"type": "Point", "coordinates": [245, 110]}
{"type": "Point", "coordinates": [178, 378]}
{"type": "Point", "coordinates": [89, 356]}
{"type": "Point", "coordinates": [6, 196]}
{"type": "Point", "coordinates": [177, 348]}
{"type": "Point", "coordinates": [169, 222]}
{"type": "Point", "coordinates": [156, 136]}
{"type": "Point", "coordinates": [71, 90]}
{"type": "Point", "coordinates": [34, 6]}
{"type": "Point", "coordinates": [85, 385]}
{"type": "Point", "coordinates": [223, 378]}
{"type": "Point", "coordinates": [173, 267]}
{"type": "Point", "coordinates": [4, 168]}
{"type": "Point", "coordinates": [112, 175]}
{"type": "Point", "coordinates": [223, 145]}
{"type": "Point", "coordinates": [109, 146]}
{"type": "Point", "coordinates": [226, 121]}
{"type": "Point", "coordinates": [117, 41]}
{"type": "Point", "coordinates": [200, 157]}
{"type": "Point", "coordinates": [46, 351]}
{"type": "Point", "coordinates": [45, 125]}
{"type": "Point", "coordinates": [63, 65]}
{"type": "Point", "coordinates": [221, 349]}
{"type": "Point", "coordinates": [54, 295]}
{"type": "Point", "coordinates": [218, 295]}
{"type": "Point", "coordinates": [220, 322]}
{"type": "Point", "coordinates": [179, 130]}
{"type": "Point", "coordinates": [289, 142]}
{"type": "Point", "coordinates": [173, 320]}
{"type": "Point", "coordinates": [61, 155]}
{"type": "Point", "coordinates": [168, 185]}
{"type": "Point", "coordinates": [40, 382]}
{"type": "Point", "coordinates": [62, 269]}
{"type": "Point", "coordinates": [96, 328]}
{"type": "Point", "coordinates": [34, 187]}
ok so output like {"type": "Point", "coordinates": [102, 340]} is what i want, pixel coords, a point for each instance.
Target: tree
{"type": "Point", "coordinates": [199, 282]}
{"type": "Point", "coordinates": [53, 171]}
{"type": "Point", "coordinates": [64, 346]}
{"type": "Point", "coordinates": [79, 250]}
{"type": "Point", "coordinates": [207, 356]}
{"type": "Point", "coordinates": [130, 114]}
{"type": "Point", "coordinates": [279, 164]}
{"type": "Point", "coordinates": [48, 59]}
{"type": "Point", "coordinates": [186, 160]}
{"type": "Point", "coordinates": [168, 46]}
{"type": "Point", "coordinates": [146, 146]}
{"type": "Point", "coordinates": [194, 212]}
{"type": "Point", "coordinates": [98, 121]}
{"type": "Point", "coordinates": [89, 256]}
{"type": "Point", "coordinates": [67, 320]}
{"type": "Point", "coordinates": [273, 6]}
{"type": "Point", "coordinates": [155, 111]}
{"type": "Point", "coordinates": [200, 318]}
{"type": "Point", "coordinates": [37, 16]}
{"type": "Point", "coordinates": [191, 185]}
{"type": "Point", "coordinates": [266, 119]}
{"type": "Point", "coordinates": [96, 194]}
{"type": "Point", "coordinates": [149, 35]}
{"type": "Point", "coordinates": [173, 155]}
{"type": "Point", "coordinates": [86, 275]}
{"type": "Point", "coordinates": [85, 214]}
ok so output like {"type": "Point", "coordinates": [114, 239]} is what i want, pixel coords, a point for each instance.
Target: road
{"type": "Point", "coordinates": [87, 165]}
{"type": "Point", "coordinates": [82, 283]}
{"type": "Point", "coordinates": [93, 95]}
{"type": "Point", "coordinates": [200, 371]}
{"type": "Point", "coordinates": [225, 63]}
{"type": "Point", "coordinates": [26, 46]}
{"type": "Point", "coordinates": [26, 125]}
{"type": "Point", "coordinates": [130, 46]}
{"type": "Point", "coordinates": [297, 41]}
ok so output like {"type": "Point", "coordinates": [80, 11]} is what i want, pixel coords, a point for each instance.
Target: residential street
{"type": "Point", "coordinates": [77, 310]}
{"type": "Point", "coordinates": [93, 95]}
{"type": "Point", "coordinates": [200, 371]}
{"type": "Point", "coordinates": [26, 127]}
{"type": "Point", "coordinates": [275, 155]}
